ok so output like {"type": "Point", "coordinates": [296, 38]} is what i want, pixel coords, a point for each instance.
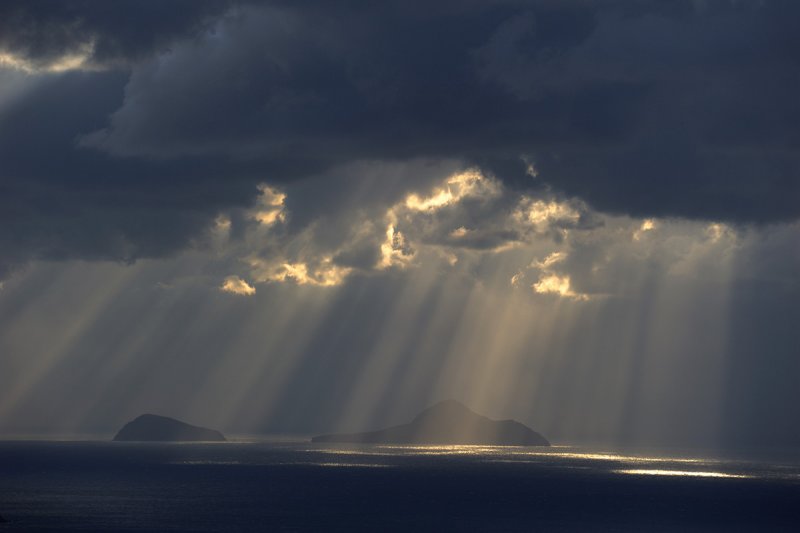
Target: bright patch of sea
{"type": "Point", "coordinates": [285, 486]}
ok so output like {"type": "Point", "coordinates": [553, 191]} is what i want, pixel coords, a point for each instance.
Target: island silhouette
{"type": "Point", "coordinates": [149, 427]}
{"type": "Point", "coordinates": [447, 422]}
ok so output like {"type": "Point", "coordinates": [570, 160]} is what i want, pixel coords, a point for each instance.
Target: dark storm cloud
{"type": "Point", "coordinates": [58, 202]}
{"type": "Point", "coordinates": [647, 108]}
{"type": "Point", "coordinates": [119, 31]}
{"type": "Point", "coordinates": [686, 112]}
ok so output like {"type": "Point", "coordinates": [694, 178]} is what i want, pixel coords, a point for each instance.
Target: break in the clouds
{"type": "Point", "coordinates": [127, 131]}
{"type": "Point", "coordinates": [237, 285]}
{"type": "Point", "coordinates": [584, 213]}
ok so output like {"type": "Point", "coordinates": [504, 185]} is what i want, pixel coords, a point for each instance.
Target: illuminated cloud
{"type": "Point", "coordinates": [323, 273]}
{"type": "Point", "coordinates": [717, 232]}
{"type": "Point", "coordinates": [544, 215]}
{"type": "Point", "coordinates": [270, 208]}
{"type": "Point", "coordinates": [312, 254]}
{"type": "Point", "coordinates": [80, 59]}
{"type": "Point", "coordinates": [236, 285]}
{"type": "Point", "coordinates": [468, 184]}
{"type": "Point", "coordinates": [555, 284]}
{"type": "Point", "coordinates": [395, 250]}
{"type": "Point", "coordinates": [464, 222]}
{"type": "Point", "coordinates": [459, 232]}
{"type": "Point", "coordinates": [464, 215]}
{"type": "Point", "coordinates": [647, 225]}
{"type": "Point", "coordinates": [550, 260]}
{"type": "Point", "coordinates": [222, 224]}
{"type": "Point", "coordinates": [466, 211]}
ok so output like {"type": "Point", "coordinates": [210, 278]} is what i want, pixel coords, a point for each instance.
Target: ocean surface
{"type": "Point", "coordinates": [261, 486]}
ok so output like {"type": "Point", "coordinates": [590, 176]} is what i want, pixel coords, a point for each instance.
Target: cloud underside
{"type": "Point", "coordinates": [128, 133]}
{"type": "Point", "coordinates": [236, 285]}
{"type": "Point", "coordinates": [471, 225]}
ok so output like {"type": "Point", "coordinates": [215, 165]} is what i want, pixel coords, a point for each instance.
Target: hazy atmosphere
{"type": "Point", "coordinates": [284, 218]}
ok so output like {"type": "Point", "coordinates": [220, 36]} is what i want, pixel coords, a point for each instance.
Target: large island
{"type": "Point", "coordinates": [161, 428]}
{"type": "Point", "coordinates": [448, 422]}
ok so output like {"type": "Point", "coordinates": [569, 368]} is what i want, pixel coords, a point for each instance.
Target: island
{"type": "Point", "coordinates": [164, 429]}
{"type": "Point", "coordinates": [448, 422]}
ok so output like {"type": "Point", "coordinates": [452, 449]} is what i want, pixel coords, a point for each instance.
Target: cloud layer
{"type": "Point", "coordinates": [160, 118]}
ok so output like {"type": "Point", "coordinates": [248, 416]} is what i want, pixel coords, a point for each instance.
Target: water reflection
{"type": "Point", "coordinates": [680, 473]}
{"type": "Point", "coordinates": [517, 452]}
{"type": "Point", "coordinates": [551, 460]}
{"type": "Point", "coordinates": [344, 465]}
{"type": "Point", "coordinates": [564, 458]}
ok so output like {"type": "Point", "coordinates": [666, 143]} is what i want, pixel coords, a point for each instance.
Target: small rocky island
{"type": "Point", "coordinates": [448, 422]}
{"type": "Point", "coordinates": [164, 429]}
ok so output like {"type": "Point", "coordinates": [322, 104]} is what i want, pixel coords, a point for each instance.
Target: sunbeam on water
{"type": "Point", "coordinates": [683, 473]}
{"type": "Point", "coordinates": [102, 486]}
{"type": "Point", "coordinates": [569, 457]}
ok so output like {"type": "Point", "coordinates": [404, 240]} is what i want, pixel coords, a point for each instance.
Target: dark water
{"type": "Point", "coordinates": [103, 486]}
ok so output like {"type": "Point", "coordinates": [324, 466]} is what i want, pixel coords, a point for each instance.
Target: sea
{"type": "Point", "coordinates": [251, 485]}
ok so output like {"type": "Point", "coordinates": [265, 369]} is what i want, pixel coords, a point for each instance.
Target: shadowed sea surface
{"type": "Point", "coordinates": [235, 486]}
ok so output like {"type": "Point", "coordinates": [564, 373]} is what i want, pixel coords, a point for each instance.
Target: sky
{"type": "Point", "coordinates": [302, 217]}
